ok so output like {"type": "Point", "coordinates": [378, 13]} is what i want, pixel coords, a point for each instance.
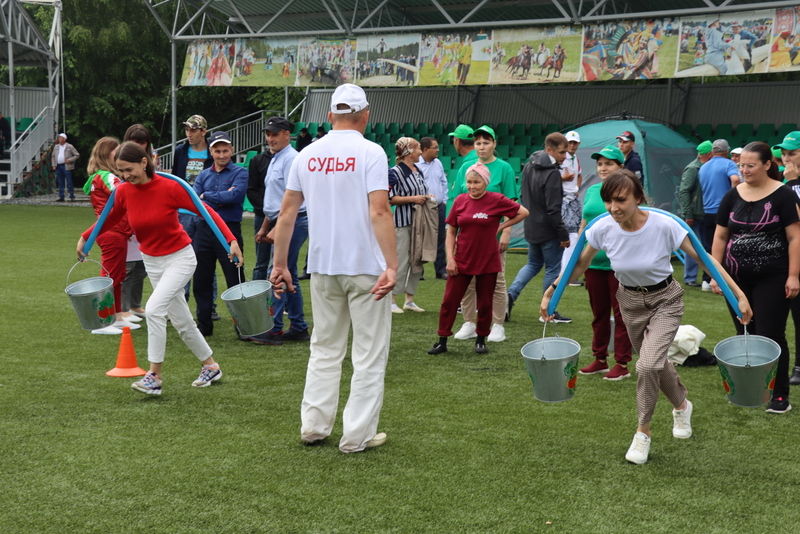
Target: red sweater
{"type": "Point", "coordinates": [152, 211]}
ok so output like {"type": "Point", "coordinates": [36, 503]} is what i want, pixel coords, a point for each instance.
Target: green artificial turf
{"type": "Point", "coordinates": [469, 449]}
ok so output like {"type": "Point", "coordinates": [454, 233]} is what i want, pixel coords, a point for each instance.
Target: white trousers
{"type": "Point", "coordinates": [337, 303]}
{"type": "Point", "coordinates": [169, 275]}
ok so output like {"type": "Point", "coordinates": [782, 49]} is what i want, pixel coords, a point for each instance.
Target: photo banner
{"type": "Point", "coordinates": [730, 44]}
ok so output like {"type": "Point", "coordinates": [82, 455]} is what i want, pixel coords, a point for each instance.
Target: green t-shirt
{"type": "Point", "coordinates": [593, 206]}
{"type": "Point", "coordinates": [503, 180]}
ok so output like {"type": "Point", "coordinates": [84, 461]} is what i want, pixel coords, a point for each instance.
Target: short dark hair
{"type": "Point", "coordinates": [133, 152]}
{"type": "Point", "coordinates": [139, 134]}
{"type": "Point", "coordinates": [622, 181]}
{"type": "Point", "coordinates": [466, 142]}
{"type": "Point", "coordinates": [480, 134]}
{"type": "Point", "coordinates": [427, 142]}
{"type": "Point", "coordinates": [764, 154]}
{"type": "Point", "coordinates": [555, 140]}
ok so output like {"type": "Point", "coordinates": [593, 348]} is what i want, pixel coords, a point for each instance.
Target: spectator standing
{"type": "Point", "coordinates": [545, 233]}
{"type": "Point", "coordinates": [223, 187]}
{"type": "Point", "coordinates": [279, 131]}
{"type": "Point", "coordinates": [735, 153]}
{"type": "Point", "coordinates": [465, 147]}
{"type": "Point", "coordinates": [690, 205]}
{"type": "Point", "coordinates": [343, 180]}
{"type": "Point", "coordinates": [790, 148]}
{"type": "Point", "coordinates": [571, 181]}
{"type": "Point", "coordinates": [256, 177]}
{"type": "Point", "coordinates": [436, 182]}
{"type": "Point", "coordinates": [303, 139]}
{"type": "Point", "coordinates": [63, 161]}
{"type": "Point", "coordinates": [717, 176]}
{"type": "Point", "coordinates": [627, 143]}
{"type": "Point", "coordinates": [5, 133]}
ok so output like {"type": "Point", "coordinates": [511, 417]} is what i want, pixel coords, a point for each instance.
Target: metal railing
{"type": "Point", "coordinates": [246, 134]}
{"type": "Point", "coordinates": [27, 148]}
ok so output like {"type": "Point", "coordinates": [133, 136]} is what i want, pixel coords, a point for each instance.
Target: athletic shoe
{"type": "Point", "coordinates": [296, 335]}
{"type": "Point", "coordinates": [396, 308]}
{"type": "Point", "coordinates": [497, 334]}
{"type": "Point", "coordinates": [692, 283]}
{"type": "Point", "coordinates": [682, 422]}
{"type": "Point", "coordinates": [150, 384]}
{"type": "Point", "coordinates": [377, 440]}
{"type": "Point", "coordinates": [618, 372]}
{"type": "Point", "coordinates": [215, 316]}
{"type": "Point", "coordinates": [639, 449]}
{"type": "Point", "coordinates": [480, 346]}
{"type": "Point", "coordinates": [779, 405]}
{"type": "Point", "coordinates": [438, 348]}
{"type": "Point", "coordinates": [557, 318]}
{"type": "Point", "coordinates": [109, 330]}
{"type": "Point", "coordinates": [262, 339]}
{"type": "Point", "coordinates": [511, 301]}
{"type": "Point", "coordinates": [575, 284]}
{"type": "Point", "coordinates": [467, 331]}
{"type": "Point", "coordinates": [131, 318]}
{"type": "Point", "coordinates": [208, 374]}
{"type": "Point", "coordinates": [597, 366]}
{"type": "Point", "coordinates": [412, 306]}
{"type": "Point", "coordinates": [122, 324]}
{"type": "Point", "coordinates": [705, 286]}
{"type": "Point", "coordinates": [794, 380]}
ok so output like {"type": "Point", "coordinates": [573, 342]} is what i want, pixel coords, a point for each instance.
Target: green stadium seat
{"type": "Point", "coordinates": [502, 129]}
{"type": "Point", "coordinates": [550, 128]}
{"type": "Point", "coordinates": [24, 123]}
{"type": "Point", "coordinates": [299, 125]}
{"type": "Point", "coordinates": [535, 130]}
{"type": "Point", "coordinates": [502, 151]}
{"type": "Point", "coordinates": [408, 129]}
{"type": "Point", "coordinates": [775, 140]}
{"type": "Point", "coordinates": [368, 129]}
{"type": "Point", "coordinates": [312, 128]}
{"type": "Point", "coordinates": [394, 129]}
{"type": "Point", "coordinates": [379, 128]}
{"type": "Point", "coordinates": [369, 136]}
{"type": "Point", "coordinates": [785, 128]}
{"type": "Point", "coordinates": [525, 140]}
{"type": "Point", "coordinates": [745, 130]}
{"type": "Point", "coordinates": [423, 130]}
{"type": "Point", "coordinates": [703, 131]}
{"type": "Point", "coordinates": [518, 130]}
{"type": "Point", "coordinates": [516, 164]}
{"type": "Point", "coordinates": [447, 162]}
{"type": "Point", "coordinates": [519, 151]}
{"type": "Point", "coordinates": [765, 131]}
{"type": "Point", "coordinates": [505, 139]}
{"type": "Point", "coordinates": [724, 131]}
{"type": "Point", "coordinates": [686, 131]}
{"type": "Point", "coordinates": [449, 150]}
{"type": "Point", "coordinates": [451, 175]}
{"type": "Point", "coordinates": [247, 157]}
{"type": "Point", "coordinates": [327, 126]}
{"type": "Point", "coordinates": [449, 127]}
{"type": "Point", "coordinates": [437, 129]}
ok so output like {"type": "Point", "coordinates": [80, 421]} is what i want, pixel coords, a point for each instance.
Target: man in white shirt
{"type": "Point", "coordinates": [63, 162]}
{"type": "Point", "coordinates": [571, 181]}
{"type": "Point", "coordinates": [343, 179]}
{"type": "Point", "coordinates": [436, 182]}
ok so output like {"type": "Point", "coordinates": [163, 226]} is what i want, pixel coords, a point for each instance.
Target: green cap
{"type": "Point", "coordinates": [790, 142]}
{"type": "Point", "coordinates": [704, 148]}
{"type": "Point", "coordinates": [611, 152]}
{"type": "Point", "coordinates": [462, 131]}
{"type": "Point", "coordinates": [486, 129]}
{"type": "Point", "coordinates": [776, 153]}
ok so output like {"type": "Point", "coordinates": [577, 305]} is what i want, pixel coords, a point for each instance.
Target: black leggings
{"type": "Point", "coordinates": [794, 305]}
{"type": "Point", "coordinates": [766, 294]}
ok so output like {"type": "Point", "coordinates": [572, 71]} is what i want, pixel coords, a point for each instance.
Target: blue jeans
{"type": "Point", "coordinates": [263, 251]}
{"type": "Point", "coordinates": [293, 302]}
{"type": "Point", "coordinates": [690, 267]}
{"type": "Point", "coordinates": [64, 180]}
{"type": "Point", "coordinates": [547, 254]}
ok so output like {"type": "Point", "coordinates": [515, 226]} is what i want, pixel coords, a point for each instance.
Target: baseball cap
{"type": "Point", "coordinates": [352, 96]}
{"type": "Point", "coordinates": [626, 136]}
{"type": "Point", "coordinates": [611, 152]}
{"type": "Point", "coordinates": [462, 131]}
{"type": "Point", "coordinates": [276, 124]}
{"type": "Point", "coordinates": [790, 142]}
{"type": "Point", "coordinates": [196, 122]}
{"type": "Point", "coordinates": [720, 146]}
{"type": "Point", "coordinates": [704, 148]}
{"type": "Point", "coordinates": [739, 150]}
{"type": "Point", "coordinates": [63, 135]}
{"type": "Point", "coordinates": [219, 137]}
{"type": "Point", "coordinates": [486, 129]}
{"type": "Point", "coordinates": [573, 136]}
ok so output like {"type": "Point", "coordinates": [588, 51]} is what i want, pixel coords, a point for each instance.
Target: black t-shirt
{"type": "Point", "coordinates": [757, 243]}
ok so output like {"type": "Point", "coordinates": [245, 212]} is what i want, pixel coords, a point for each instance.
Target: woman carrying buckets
{"type": "Point", "coordinates": [601, 283]}
{"type": "Point", "coordinates": [639, 245]}
{"type": "Point", "coordinates": [473, 252]}
{"type": "Point", "coordinates": [151, 203]}
{"type": "Point", "coordinates": [758, 240]}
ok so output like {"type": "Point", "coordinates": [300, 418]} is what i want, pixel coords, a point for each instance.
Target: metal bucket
{"type": "Point", "coordinates": [552, 364]}
{"type": "Point", "coordinates": [748, 365]}
{"type": "Point", "coordinates": [248, 303]}
{"type": "Point", "coordinates": [92, 299]}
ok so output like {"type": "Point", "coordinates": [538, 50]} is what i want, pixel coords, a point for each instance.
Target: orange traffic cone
{"type": "Point", "coordinates": [126, 357]}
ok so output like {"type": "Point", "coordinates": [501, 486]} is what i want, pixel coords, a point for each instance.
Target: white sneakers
{"type": "Point", "coordinates": [396, 308]}
{"type": "Point", "coordinates": [467, 331]}
{"type": "Point", "coordinates": [639, 449]}
{"type": "Point", "coordinates": [682, 422]}
{"type": "Point", "coordinates": [109, 330]}
{"type": "Point", "coordinates": [497, 334]}
{"type": "Point", "coordinates": [706, 286]}
{"type": "Point", "coordinates": [412, 306]}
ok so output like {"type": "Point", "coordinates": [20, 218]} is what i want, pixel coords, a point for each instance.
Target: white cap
{"type": "Point", "coordinates": [736, 151]}
{"type": "Point", "coordinates": [63, 135]}
{"type": "Point", "coordinates": [351, 95]}
{"type": "Point", "coordinates": [573, 136]}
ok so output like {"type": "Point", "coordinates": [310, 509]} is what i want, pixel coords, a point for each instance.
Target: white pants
{"type": "Point", "coordinates": [169, 275]}
{"type": "Point", "coordinates": [337, 301]}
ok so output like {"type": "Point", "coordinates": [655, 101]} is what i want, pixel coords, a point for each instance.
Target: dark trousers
{"type": "Point", "coordinates": [263, 250]}
{"type": "Point", "coordinates": [602, 287]}
{"type": "Point", "coordinates": [707, 236]}
{"type": "Point", "coordinates": [209, 251]}
{"type": "Point", "coordinates": [64, 181]}
{"type": "Point", "coordinates": [454, 291]}
{"type": "Point", "coordinates": [441, 258]}
{"type": "Point", "coordinates": [766, 294]}
{"type": "Point", "coordinates": [794, 305]}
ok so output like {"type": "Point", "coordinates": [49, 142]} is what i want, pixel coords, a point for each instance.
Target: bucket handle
{"type": "Point", "coordinates": [84, 260]}
{"type": "Point", "coordinates": [746, 348]}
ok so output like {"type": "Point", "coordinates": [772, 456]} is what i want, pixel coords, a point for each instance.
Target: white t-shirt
{"type": "Point", "coordinates": [640, 258]}
{"type": "Point", "coordinates": [571, 165]}
{"type": "Point", "coordinates": [336, 175]}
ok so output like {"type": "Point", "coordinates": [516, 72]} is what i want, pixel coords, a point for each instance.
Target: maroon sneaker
{"type": "Point", "coordinates": [618, 372]}
{"type": "Point", "coordinates": [597, 366]}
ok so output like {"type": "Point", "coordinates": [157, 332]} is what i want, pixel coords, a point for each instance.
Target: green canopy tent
{"type": "Point", "coordinates": [664, 154]}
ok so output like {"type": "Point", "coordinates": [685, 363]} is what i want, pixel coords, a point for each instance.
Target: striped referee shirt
{"type": "Point", "coordinates": [403, 182]}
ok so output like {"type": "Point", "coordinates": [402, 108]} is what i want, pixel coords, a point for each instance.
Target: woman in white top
{"type": "Point", "coordinates": [639, 245]}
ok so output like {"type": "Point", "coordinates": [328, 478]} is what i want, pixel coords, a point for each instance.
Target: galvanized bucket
{"type": "Point", "coordinates": [748, 365]}
{"type": "Point", "coordinates": [552, 364]}
{"type": "Point", "coordinates": [248, 303]}
{"type": "Point", "coordinates": [92, 299]}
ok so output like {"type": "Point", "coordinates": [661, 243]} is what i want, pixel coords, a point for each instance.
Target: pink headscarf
{"type": "Point", "coordinates": [481, 170]}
